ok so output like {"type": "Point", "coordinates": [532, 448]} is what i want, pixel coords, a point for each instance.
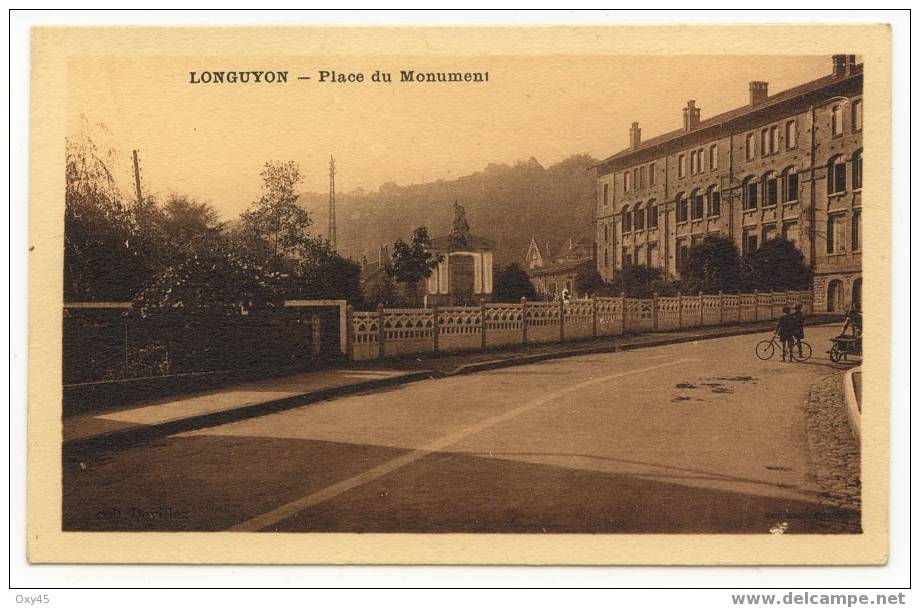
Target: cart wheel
{"type": "Point", "coordinates": [835, 354]}
{"type": "Point", "coordinates": [765, 350]}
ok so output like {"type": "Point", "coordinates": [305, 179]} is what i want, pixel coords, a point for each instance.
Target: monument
{"type": "Point", "coordinates": [464, 277]}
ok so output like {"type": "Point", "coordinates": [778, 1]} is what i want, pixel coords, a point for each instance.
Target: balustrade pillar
{"type": "Point", "coordinates": [594, 317]}
{"type": "Point", "coordinates": [523, 320]}
{"type": "Point", "coordinates": [381, 333]}
{"type": "Point", "coordinates": [721, 308]}
{"type": "Point", "coordinates": [680, 311]}
{"type": "Point", "coordinates": [561, 319]}
{"type": "Point", "coordinates": [482, 323]}
{"type": "Point", "coordinates": [623, 313]}
{"type": "Point", "coordinates": [349, 330]}
{"type": "Point", "coordinates": [655, 311]}
{"type": "Point", "coordinates": [701, 309]}
{"type": "Point", "coordinates": [436, 329]}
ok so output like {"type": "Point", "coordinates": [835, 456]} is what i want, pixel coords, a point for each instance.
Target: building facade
{"type": "Point", "coordinates": [788, 165]}
{"type": "Point", "coordinates": [550, 275]}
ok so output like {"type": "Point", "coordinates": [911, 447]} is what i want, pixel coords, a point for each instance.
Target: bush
{"type": "Point", "coordinates": [712, 266]}
{"type": "Point", "coordinates": [635, 282]}
{"type": "Point", "coordinates": [589, 282]}
{"type": "Point", "coordinates": [777, 265]}
{"type": "Point", "coordinates": [511, 284]}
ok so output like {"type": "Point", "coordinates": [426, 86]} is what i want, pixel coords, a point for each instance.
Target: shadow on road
{"type": "Point", "coordinates": [209, 483]}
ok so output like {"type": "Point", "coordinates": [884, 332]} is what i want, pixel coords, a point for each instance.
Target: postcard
{"type": "Point", "coordinates": [459, 295]}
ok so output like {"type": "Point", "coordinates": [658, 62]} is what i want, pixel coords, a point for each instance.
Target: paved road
{"type": "Point", "coordinates": [696, 437]}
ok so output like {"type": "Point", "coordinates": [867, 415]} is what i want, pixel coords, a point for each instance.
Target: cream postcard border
{"type": "Point", "coordinates": [52, 48]}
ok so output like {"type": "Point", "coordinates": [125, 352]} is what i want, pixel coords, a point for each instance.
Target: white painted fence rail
{"type": "Point", "coordinates": [396, 332]}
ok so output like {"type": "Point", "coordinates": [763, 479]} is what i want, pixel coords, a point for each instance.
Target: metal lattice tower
{"type": "Point", "coordinates": [331, 235]}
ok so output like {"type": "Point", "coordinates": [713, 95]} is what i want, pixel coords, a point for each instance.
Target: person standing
{"type": "Point", "coordinates": [853, 321]}
{"type": "Point", "coordinates": [799, 318]}
{"type": "Point", "coordinates": [785, 329]}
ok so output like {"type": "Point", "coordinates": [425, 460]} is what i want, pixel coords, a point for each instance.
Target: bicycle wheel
{"type": "Point", "coordinates": [765, 349]}
{"type": "Point", "coordinates": [835, 354]}
{"type": "Point", "coordinates": [806, 352]}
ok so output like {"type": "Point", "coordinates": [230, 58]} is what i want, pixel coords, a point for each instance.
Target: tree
{"type": "Point", "coordinates": [636, 282]}
{"type": "Point", "coordinates": [275, 228]}
{"type": "Point", "coordinates": [777, 265]}
{"type": "Point", "coordinates": [325, 275]}
{"type": "Point", "coordinates": [188, 220]}
{"type": "Point", "coordinates": [382, 292]}
{"type": "Point", "coordinates": [106, 256]}
{"type": "Point", "coordinates": [588, 281]}
{"type": "Point", "coordinates": [411, 262]}
{"type": "Point", "coordinates": [711, 266]}
{"type": "Point", "coordinates": [511, 284]}
{"type": "Point", "coordinates": [214, 281]}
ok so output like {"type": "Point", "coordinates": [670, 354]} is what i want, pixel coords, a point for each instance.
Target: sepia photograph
{"type": "Point", "coordinates": [521, 295]}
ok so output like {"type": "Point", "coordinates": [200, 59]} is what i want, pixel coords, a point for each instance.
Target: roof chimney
{"type": "Point", "coordinates": [691, 116]}
{"type": "Point", "coordinates": [635, 136]}
{"type": "Point", "coordinates": [758, 89]}
{"type": "Point", "coordinates": [843, 64]}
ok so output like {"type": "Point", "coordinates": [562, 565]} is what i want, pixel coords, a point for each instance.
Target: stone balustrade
{"type": "Point", "coordinates": [407, 331]}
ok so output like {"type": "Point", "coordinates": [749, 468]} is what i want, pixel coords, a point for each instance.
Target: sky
{"type": "Point", "coordinates": [210, 141]}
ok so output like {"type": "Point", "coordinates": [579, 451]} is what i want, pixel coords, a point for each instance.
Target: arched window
{"type": "Point", "coordinates": [857, 170]}
{"type": "Point", "coordinates": [791, 135]}
{"type": "Point", "coordinates": [627, 220]}
{"type": "Point", "coordinates": [749, 193]}
{"type": "Point", "coordinates": [790, 184]}
{"type": "Point", "coordinates": [652, 213]}
{"type": "Point", "coordinates": [836, 175]}
{"type": "Point", "coordinates": [683, 212]}
{"type": "Point", "coordinates": [638, 217]}
{"type": "Point", "coordinates": [715, 201]}
{"type": "Point", "coordinates": [696, 205]}
{"type": "Point", "coordinates": [836, 121]}
{"type": "Point", "coordinates": [770, 189]}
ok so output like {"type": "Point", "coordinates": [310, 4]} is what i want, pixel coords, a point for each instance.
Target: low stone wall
{"type": "Point", "coordinates": [406, 331]}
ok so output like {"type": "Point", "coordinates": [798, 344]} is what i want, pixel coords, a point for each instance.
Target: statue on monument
{"type": "Point", "coordinates": [460, 229]}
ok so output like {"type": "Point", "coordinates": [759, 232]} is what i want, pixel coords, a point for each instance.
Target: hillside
{"type": "Point", "coordinates": [505, 203]}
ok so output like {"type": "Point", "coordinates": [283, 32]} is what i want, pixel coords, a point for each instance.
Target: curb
{"type": "Point", "coordinates": [123, 438]}
{"type": "Point", "coordinates": [854, 413]}
{"type": "Point", "coordinates": [471, 368]}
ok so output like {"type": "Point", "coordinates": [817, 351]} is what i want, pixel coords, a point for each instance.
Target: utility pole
{"type": "Point", "coordinates": [331, 235]}
{"type": "Point", "coordinates": [137, 177]}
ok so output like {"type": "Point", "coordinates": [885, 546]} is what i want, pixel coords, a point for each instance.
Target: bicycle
{"type": "Point", "coordinates": [765, 349]}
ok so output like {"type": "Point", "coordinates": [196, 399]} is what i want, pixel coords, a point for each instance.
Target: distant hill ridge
{"type": "Point", "coordinates": [505, 203]}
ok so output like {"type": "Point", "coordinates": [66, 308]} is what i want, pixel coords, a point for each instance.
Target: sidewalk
{"type": "Point", "coordinates": [124, 427]}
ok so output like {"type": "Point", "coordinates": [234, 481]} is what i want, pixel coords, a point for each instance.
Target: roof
{"type": "Point", "coordinates": [737, 113]}
{"type": "Point", "coordinates": [564, 267]}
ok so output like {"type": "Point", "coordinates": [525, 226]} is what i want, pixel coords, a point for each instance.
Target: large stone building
{"type": "Point", "coordinates": [788, 164]}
